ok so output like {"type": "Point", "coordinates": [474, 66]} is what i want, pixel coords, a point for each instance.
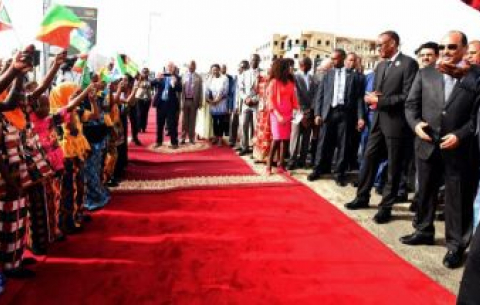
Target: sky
{"type": "Point", "coordinates": [153, 32]}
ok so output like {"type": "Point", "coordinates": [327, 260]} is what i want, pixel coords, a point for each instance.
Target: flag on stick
{"type": "Point", "coordinates": [5, 21]}
{"type": "Point", "coordinates": [57, 25]}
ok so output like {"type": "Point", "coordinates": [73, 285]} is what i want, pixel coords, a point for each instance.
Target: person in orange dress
{"type": "Point", "coordinates": [263, 132]}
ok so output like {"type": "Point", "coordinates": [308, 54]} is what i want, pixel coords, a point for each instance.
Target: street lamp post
{"type": "Point", "coordinates": [46, 48]}
{"type": "Point", "coordinates": [152, 14]}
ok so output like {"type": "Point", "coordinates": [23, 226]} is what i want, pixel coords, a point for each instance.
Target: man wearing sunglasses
{"type": "Point", "coordinates": [389, 134]}
{"type": "Point", "coordinates": [441, 109]}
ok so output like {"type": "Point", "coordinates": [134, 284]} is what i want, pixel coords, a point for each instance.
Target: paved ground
{"type": "Point", "coordinates": [426, 258]}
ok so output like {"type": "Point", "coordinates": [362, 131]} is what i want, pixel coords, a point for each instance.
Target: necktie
{"type": "Point", "coordinates": [449, 84]}
{"type": "Point", "coordinates": [339, 85]}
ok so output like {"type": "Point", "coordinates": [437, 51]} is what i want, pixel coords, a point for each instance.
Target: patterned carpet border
{"type": "Point", "coordinates": [200, 183]}
{"type": "Point", "coordinates": [187, 148]}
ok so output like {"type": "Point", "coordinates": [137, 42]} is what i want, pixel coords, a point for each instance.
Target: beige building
{"type": "Point", "coordinates": [317, 46]}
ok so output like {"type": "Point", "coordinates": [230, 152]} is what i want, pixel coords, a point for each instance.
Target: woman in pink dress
{"type": "Point", "coordinates": [282, 102]}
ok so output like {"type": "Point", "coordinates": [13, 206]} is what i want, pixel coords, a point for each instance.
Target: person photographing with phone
{"type": "Point", "coordinates": [167, 85]}
{"type": "Point", "coordinates": [441, 109]}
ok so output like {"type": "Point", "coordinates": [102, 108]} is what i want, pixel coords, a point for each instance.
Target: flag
{"type": "Point", "coordinates": [86, 79]}
{"type": "Point", "coordinates": [131, 68]}
{"type": "Point", "coordinates": [473, 3]}
{"type": "Point", "coordinates": [80, 39]}
{"type": "Point", "coordinates": [105, 75]}
{"type": "Point", "coordinates": [5, 21]}
{"type": "Point", "coordinates": [80, 64]}
{"type": "Point", "coordinates": [57, 25]}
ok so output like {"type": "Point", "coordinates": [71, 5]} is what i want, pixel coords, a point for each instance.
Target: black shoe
{"type": "Point", "coordinates": [86, 218]}
{"type": "Point", "coordinates": [232, 145]}
{"type": "Point", "coordinates": [239, 149]}
{"type": "Point", "coordinates": [38, 251]}
{"type": "Point", "coordinates": [73, 230]}
{"type": "Point", "coordinates": [137, 142]}
{"type": "Point", "coordinates": [111, 183]}
{"type": "Point", "coordinates": [28, 261]}
{"type": "Point", "coordinates": [157, 145]}
{"type": "Point", "coordinates": [243, 152]}
{"type": "Point", "coordinates": [413, 206]}
{"type": "Point", "coordinates": [357, 204]}
{"type": "Point", "coordinates": [379, 191]}
{"type": "Point", "coordinates": [291, 166]}
{"type": "Point", "coordinates": [183, 142]}
{"type": "Point", "coordinates": [301, 164]}
{"type": "Point", "coordinates": [19, 273]}
{"type": "Point", "coordinates": [314, 176]}
{"type": "Point", "coordinates": [453, 259]}
{"type": "Point", "coordinates": [355, 183]}
{"type": "Point", "coordinates": [173, 146]}
{"type": "Point", "coordinates": [401, 198]}
{"type": "Point", "coordinates": [341, 181]}
{"type": "Point", "coordinates": [383, 216]}
{"type": "Point", "coordinates": [417, 239]}
{"type": "Point", "coordinates": [441, 216]}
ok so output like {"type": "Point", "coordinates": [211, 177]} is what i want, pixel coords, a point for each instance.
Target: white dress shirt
{"type": "Point", "coordinates": [339, 87]}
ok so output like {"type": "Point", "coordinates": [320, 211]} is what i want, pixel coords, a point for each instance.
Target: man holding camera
{"type": "Point", "coordinates": [441, 109]}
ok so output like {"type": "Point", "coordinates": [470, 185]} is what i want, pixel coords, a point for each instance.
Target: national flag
{"type": "Point", "coordinates": [57, 25]}
{"type": "Point", "coordinates": [473, 3]}
{"type": "Point", "coordinates": [80, 39]}
{"type": "Point", "coordinates": [5, 21]}
{"type": "Point", "coordinates": [131, 68]}
{"type": "Point", "coordinates": [105, 75]}
{"type": "Point", "coordinates": [80, 64]}
{"type": "Point", "coordinates": [86, 78]}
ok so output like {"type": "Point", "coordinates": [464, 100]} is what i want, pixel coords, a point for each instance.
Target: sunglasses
{"type": "Point", "coordinates": [450, 47]}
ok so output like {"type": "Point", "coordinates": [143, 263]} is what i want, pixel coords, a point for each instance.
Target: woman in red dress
{"type": "Point", "coordinates": [282, 100]}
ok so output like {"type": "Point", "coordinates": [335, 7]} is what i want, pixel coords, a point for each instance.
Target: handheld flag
{"type": "Point", "coordinates": [57, 25]}
{"type": "Point", "coordinates": [5, 21]}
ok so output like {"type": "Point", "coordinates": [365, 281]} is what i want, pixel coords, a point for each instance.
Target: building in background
{"type": "Point", "coordinates": [317, 46]}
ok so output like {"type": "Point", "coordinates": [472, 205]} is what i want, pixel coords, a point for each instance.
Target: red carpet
{"type": "Point", "coordinates": [252, 245]}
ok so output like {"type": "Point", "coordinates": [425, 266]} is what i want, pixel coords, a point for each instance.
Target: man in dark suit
{"type": "Point", "coordinates": [441, 109]}
{"type": "Point", "coordinates": [389, 133]}
{"type": "Point", "coordinates": [337, 103]}
{"type": "Point", "coordinates": [168, 86]}
{"type": "Point", "coordinates": [302, 130]}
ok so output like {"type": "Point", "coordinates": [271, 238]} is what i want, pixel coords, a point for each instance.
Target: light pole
{"type": "Point", "coordinates": [46, 48]}
{"type": "Point", "coordinates": [152, 14]}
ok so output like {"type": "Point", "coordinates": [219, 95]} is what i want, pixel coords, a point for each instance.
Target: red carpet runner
{"type": "Point", "coordinates": [259, 244]}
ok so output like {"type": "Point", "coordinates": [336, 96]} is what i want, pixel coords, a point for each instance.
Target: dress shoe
{"type": "Point", "coordinates": [301, 164]}
{"type": "Point", "coordinates": [111, 183]}
{"type": "Point", "coordinates": [19, 273]}
{"type": "Point", "coordinates": [441, 216]}
{"type": "Point", "coordinates": [413, 206]}
{"type": "Point", "coordinates": [173, 146]}
{"type": "Point", "coordinates": [383, 216]}
{"type": "Point", "coordinates": [157, 145]}
{"type": "Point", "coordinates": [28, 261]}
{"type": "Point", "coordinates": [417, 239]}
{"type": "Point", "coordinates": [239, 149]}
{"type": "Point", "coordinates": [314, 176]}
{"type": "Point", "coordinates": [453, 259]}
{"type": "Point", "coordinates": [379, 191]}
{"type": "Point", "coordinates": [291, 166]}
{"type": "Point", "coordinates": [183, 142]}
{"type": "Point", "coordinates": [137, 142]}
{"type": "Point", "coordinates": [357, 204]}
{"type": "Point", "coordinates": [401, 198]}
{"type": "Point", "coordinates": [341, 181]}
{"type": "Point", "coordinates": [243, 152]}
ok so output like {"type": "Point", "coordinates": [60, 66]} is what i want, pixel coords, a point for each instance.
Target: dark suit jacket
{"type": "Point", "coordinates": [394, 87]}
{"type": "Point", "coordinates": [305, 97]}
{"type": "Point", "coordinates": [353, 98]}
{"type": "Point", "coordinates": [159, 85]}
{"type": "Point", "coordinates": [426, 102]}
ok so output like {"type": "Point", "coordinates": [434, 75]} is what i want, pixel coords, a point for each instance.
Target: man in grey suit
{"type": "Point", "coordinates": [302, 130]}
{"type": "Point", "coordinates": [338, 103]}
{"type": "Point", "coordinates": [441, 108]}
{"type": "Point", "coordinates": [249, 99]}
{"type": "Point", "coordinates": [191, 101]}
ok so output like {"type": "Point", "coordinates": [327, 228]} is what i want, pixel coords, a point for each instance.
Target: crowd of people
{"type": "Point", "coordinates": [408, 126]}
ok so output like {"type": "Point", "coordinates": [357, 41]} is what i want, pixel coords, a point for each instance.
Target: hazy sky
{"type": "Point", "coordinates": [226, 31]}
